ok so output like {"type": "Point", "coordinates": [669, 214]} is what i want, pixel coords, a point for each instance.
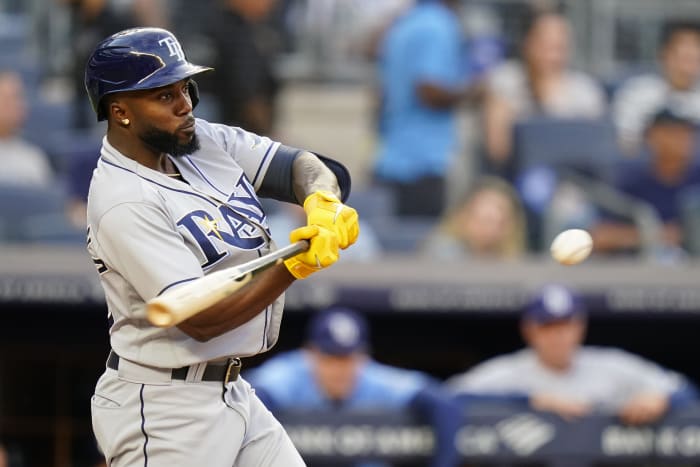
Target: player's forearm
{"type": "Point", "coordinates": [309, 174]}
{"type": "Point", "coordinates": [240, 307]}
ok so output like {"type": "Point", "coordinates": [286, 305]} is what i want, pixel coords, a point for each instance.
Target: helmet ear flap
{"type": "Point", "coordinates": [194, 93]}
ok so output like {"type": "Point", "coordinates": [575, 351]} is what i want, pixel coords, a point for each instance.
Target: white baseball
{"type": "Point", "coordinates": [571, 246]}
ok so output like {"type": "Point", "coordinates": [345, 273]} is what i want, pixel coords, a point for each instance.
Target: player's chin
{"type": "Point", "coordinates": [185, 137]}
{"type": "Point", "coordinates": [186, 133]}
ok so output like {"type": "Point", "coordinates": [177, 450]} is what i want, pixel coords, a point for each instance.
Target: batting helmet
{"type": "Point", "coordinates": [134, 59]}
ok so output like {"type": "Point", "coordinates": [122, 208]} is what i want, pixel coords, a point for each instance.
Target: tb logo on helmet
{"type": "Point", "coordinates": [173, 47]}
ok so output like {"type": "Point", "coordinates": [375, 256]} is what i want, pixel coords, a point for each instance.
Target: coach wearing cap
{"type": "Point", "coordinates": [334, 371]}
{"type": "Point", "coordinates": [556, 373]}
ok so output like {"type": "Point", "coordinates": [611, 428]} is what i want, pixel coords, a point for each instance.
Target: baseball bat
{"type": "Point", "coordinates": [174, 307]}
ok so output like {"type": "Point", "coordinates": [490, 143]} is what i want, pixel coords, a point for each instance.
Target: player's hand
{"type": "Point", "coordinates": [568, 409]}
{"type": "Point", "coordinates": [322, 252]}
{"type": "Point", "coordinates": [644, 408]}
{"type": "Point", "coordinates": [323, 208]}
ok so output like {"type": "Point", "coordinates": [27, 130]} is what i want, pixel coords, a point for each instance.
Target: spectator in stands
{"type": "Point", "coordinates": [335, 372]}
{"type": "Point", "coordinates": [4, 458]}
{"type": "Point", "coordinates": [22, 163]}
{"type": "Point", "coordinates": [675, 86]}
{"type": "Point", "coordinates": [540, 83]}
{"type": "Point", "coordinates": [658, 181]}
{"type": "Point", "coordinates": [556, 373]}
{"type": "Point", "coordinates": [422, 80]}
{"type": "Point", "coordinates": [488, 222]}
{"type": "Point", "coordinates": [245, 83]}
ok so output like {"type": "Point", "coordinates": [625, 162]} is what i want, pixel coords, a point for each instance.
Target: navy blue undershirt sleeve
{"type": "Point", "coordinates": [277, 183]}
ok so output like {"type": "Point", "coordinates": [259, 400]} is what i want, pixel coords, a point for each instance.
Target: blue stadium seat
{"type": "Point", "coordinates": [46, 118]}
{"type": "Point", "coordinates": [584, 145]}
{"type": "Point", "coordinates": [31, 215]}
{"type": "Point", "coordinates": [373, 202]}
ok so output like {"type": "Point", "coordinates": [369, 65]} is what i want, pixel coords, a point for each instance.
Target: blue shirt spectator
{"type": "Point", "coordinates": [422, 79]}
{"type": "Point", "coordinates": [335, 372]}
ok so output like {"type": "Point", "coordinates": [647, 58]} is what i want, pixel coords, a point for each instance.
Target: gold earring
{"type": "Point", "coordinates": [125, 121]}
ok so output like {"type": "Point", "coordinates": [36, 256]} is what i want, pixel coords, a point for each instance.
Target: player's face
{"type": "Point", "coordinates": [557, 342]}
{"type": "Point", "coordinates": [163, 120]}
{"type": "Point", "coordinates": [336, 375]}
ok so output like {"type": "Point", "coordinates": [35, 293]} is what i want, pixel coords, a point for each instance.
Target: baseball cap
{"type": "Point", "coordinates": [338, 331]}
{"type": "Point", "coordinates": [553, 303]}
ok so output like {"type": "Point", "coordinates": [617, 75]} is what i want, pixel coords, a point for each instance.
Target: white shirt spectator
{"type": "Point", "coordinates": [642, 97]}
{"type": "Point", "coordinates": [579, 95]}
{"type": "Point", "coordinates": [23, 164]}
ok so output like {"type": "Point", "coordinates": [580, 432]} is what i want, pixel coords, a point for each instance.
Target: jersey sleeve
{"type": "Point", "coordinates": [497, 376]}
{"type": "Point", "coordinates": [640, 375]}
{"type": "Point", "coordinates": [139, 242]}
{"type": "Point", "coordinates": [253, 153]}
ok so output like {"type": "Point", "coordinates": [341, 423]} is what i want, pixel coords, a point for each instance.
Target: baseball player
{"type": "Point", "coordinates": [335, 371]}
{"type": "Point", "coordinates": [556, 373]}
{"type": "Point", "coordinates": [174, 198]}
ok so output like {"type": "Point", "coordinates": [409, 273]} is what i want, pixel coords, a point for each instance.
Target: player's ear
{"type": "Point", "coordinates": [115, 109]}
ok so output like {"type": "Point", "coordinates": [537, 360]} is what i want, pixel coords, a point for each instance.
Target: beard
{"type": "Point", "coordinates": [162, 141]}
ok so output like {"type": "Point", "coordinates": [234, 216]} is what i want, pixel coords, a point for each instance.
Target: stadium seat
{"type": "Point", "coordinates": [584, 145]}
{"type": "Point", "coordinates": [47, 117]}
{"type": "Point", "coordinates": [31, 215]}
{"type": "Point", "coordinates": [373, 203]}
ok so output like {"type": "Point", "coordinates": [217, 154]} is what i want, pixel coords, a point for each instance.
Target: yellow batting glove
{"type": "Point", "coordinates": [322, 252]}
{"type": "Point", "coordinates": [325, 209]}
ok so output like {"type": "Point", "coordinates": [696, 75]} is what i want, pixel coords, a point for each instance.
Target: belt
{"type": "Point", "coordinates": [224, 372]}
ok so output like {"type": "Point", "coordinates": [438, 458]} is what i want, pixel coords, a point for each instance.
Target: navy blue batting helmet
{"type": "Point", "coordinates": [134, 59]}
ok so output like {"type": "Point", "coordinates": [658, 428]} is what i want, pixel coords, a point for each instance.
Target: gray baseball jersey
{"type": "Point", "coordinates": [148, 233]}
{"type": "Point", "coordinates": [603, 377]}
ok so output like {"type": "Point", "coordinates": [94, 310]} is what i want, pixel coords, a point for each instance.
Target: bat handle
{"type": "Point", "coordinates": [297, 247]}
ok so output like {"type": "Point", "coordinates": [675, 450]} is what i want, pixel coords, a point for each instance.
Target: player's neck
{"type": "Point", "coordinates": [136, 150]}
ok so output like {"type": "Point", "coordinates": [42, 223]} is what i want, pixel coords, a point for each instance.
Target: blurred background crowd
{"type": "Point", "coordinates": [510, 121]}
{"type": "Point", "coordinates": [473, 129]}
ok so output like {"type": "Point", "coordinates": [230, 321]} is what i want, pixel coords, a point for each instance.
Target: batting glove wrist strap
{"type": "Point", "coordinates": [324, 209]}
{"type": "Point", "coordinates": [322, 252]}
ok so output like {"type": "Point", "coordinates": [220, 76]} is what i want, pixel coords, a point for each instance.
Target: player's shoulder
{"type": "Point", "coordinates": [607, 356]}
{"type": "Point", "coordinates": [233, 140]}
{"type": "Point", "coordinates": [113, 186]}
{"type": "Point", "coordinates": [498, 370]}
